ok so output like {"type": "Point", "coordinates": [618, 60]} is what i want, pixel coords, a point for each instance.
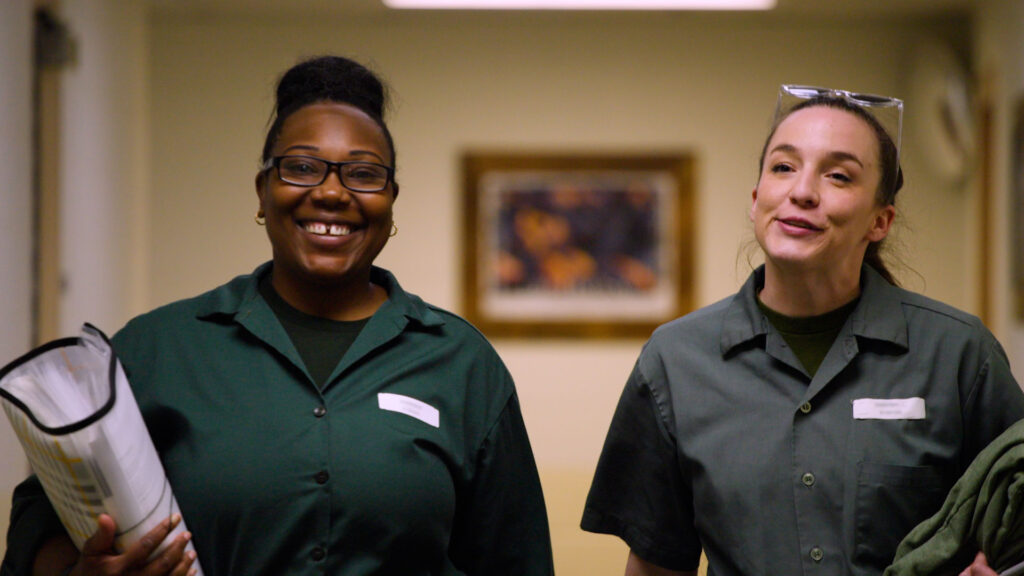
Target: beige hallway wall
{"type": "Point", "coordinates": [999, 52]}
{"type": "Point", "coordinates": [15, 220]}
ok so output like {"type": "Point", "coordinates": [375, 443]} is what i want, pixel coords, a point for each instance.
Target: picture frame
{"type": "Point", "coordinates": [576, 245]}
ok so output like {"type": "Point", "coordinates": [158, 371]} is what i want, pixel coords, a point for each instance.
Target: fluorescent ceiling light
{"type": "Point", "coordinates": [584, 4]}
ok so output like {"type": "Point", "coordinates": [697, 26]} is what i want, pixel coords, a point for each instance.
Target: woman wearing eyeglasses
{"type": "Point", "coordinates": [313, 417]}
{"type": "Point", "coordinates": [806, 424]}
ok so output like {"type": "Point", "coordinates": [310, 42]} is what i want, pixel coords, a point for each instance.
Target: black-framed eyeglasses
{"type": "Point", "coordinates": [309, 171]}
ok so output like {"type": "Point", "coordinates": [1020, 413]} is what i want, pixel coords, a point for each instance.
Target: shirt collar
{"type": "Point", "coordinates": [878, 315]}
{"type": "Point", "coordinates": [240, 298]}
{"type": "Point", "coordinates": [403, 303]}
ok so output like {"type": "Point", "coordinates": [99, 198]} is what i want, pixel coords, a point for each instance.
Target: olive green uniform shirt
{"type": "Point", "coordinates": [411, 460]}
{"type": "Point", "coordinates": [722, 441]}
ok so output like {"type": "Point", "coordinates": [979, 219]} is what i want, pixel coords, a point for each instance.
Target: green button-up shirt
{"type": "Point", "coordinates": [722, 441]}
{"type": "Point", "coordinates": [413, 458]}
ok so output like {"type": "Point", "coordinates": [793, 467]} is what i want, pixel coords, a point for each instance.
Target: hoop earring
{"type": "Point", "coordinates": [260, 218]}
{"type": "Point", "coordinates": [394, 230]}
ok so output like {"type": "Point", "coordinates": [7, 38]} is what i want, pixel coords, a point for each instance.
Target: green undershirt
{"type": "Point", "coordinates": [321, 342]}
{"type": "Point", "coordinates": [810, 337]}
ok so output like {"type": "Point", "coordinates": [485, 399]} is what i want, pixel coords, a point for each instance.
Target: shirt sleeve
{"type": "Point", "coordinates": [994, 401]}
{"type": "Point", "coordinates": [639, 492]}
{"type": "Point", "coordinates": [501, 525]}
{"type": "Point", "coordinates": [33, 521]}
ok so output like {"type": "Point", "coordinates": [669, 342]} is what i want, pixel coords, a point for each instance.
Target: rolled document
{"type": "Point", "coordinates": [76, 418]}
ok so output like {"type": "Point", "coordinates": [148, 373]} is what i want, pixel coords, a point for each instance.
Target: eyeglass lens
{"type": "Point", "coordinates": [309, 171]}
{"type": "Point", "coordinates": [865, 99]}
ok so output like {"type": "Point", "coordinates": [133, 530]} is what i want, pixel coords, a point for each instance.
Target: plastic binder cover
{"type": "Point", "coordinates": [74, 414]}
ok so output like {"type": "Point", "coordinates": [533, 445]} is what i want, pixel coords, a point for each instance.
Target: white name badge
{"type": "Point", "coordinates": [410, 407]}
{"type": "Point", "coordinates": [889, 409]}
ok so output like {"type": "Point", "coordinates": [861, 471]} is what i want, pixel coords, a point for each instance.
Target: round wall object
{"type": "Point", "coordinates": [938, 111]}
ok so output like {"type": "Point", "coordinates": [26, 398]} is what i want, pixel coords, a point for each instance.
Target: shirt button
{"type": "Point", "coordinates": [817, 554]}
{"type": "Point", "coordinates": [322, 477]}
{"type": "Point", "coordinates": [319, 411]}
{"type": "Point", "coordinates": [317, 554]}
{"type": "Point", "coordinates": [805, 407]}
{"type": "Point", "coordinates": [851, 346]}
{"type": "Point", "coordinates": [807, 479]}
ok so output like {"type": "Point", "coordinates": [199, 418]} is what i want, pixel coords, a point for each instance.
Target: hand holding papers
{"type": "Point", "coordinates": [74, 414]}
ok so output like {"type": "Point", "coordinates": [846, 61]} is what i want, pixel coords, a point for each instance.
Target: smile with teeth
{"type": "Point", "coordinates": [325, 229]}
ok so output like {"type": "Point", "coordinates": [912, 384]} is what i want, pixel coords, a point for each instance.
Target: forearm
{"type": "Point", "coordinates": [636, 566]}
{"type": "Point", "coordinates": [55, 556]}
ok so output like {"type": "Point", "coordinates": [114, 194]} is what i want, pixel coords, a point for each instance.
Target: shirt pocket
{"type": "Point", "coordinates": [415, 428]}
{"type": "Point", "coordinates": [891, 500]}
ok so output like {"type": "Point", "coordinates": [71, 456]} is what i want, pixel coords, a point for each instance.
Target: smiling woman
{"type": "Point", "coordinates": [815, 210]}
{"type": "Point", "coordinates": [312, 416]}
{"type": "Point", "coordinates": [848, 407]}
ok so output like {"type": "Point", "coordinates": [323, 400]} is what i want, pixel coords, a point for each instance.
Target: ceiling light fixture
{"type": "Point", "coordinates": [583, 4]}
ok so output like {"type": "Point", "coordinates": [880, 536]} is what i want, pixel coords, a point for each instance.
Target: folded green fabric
{"type": "Point", "coordinates": [983, 511]}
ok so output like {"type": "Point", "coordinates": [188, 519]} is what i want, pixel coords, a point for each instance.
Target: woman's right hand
{"type": "Point", "coordinates": [99, 559]}
{"type": "Point", "coordinates": [979, 567]}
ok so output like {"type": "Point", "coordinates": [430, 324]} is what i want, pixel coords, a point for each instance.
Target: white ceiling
{"type": "Point", "coordinates": [829, 8]}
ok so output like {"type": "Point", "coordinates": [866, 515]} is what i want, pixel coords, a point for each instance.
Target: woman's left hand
{"type": "Point", "coordinates": [979, 567]}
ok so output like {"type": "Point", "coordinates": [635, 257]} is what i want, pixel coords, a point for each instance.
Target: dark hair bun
{"type": "Point", "coordinates": [334, 79]}
{"type": "Point", "coordinates": [328, 79]}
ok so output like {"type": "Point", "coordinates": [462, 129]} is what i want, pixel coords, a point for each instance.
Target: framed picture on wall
{"type": "Point", "coordinates": [576, 245]}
